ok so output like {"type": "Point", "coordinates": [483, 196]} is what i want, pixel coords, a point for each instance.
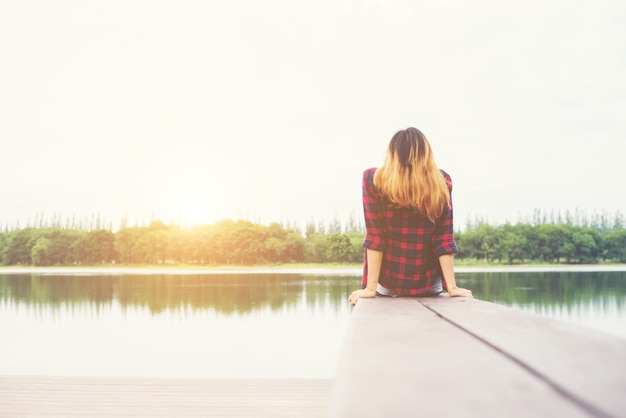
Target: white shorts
{"type": "Point", "coordinates": [434, 290]}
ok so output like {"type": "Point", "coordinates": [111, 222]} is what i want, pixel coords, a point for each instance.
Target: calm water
{"type": "Point", "coordinates": [236, 325]}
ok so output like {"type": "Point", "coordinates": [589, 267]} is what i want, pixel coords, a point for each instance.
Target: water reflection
{"type": "Point", "coordinates": [594, 299]}
{"type": "Point", "coordinates": [547, 288]}
{"type": "Point", "coordinates": [248, 325]}
{"type": "Point", "coordinates": [222, 293]}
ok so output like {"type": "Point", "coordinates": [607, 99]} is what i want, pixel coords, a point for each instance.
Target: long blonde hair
{"type": "Point", "coordinates": [409, 176]}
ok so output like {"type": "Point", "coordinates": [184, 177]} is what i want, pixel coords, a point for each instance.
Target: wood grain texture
{"type": "Point", "coordinates": [588, 365]}
{"type": "Point", "coordinates": [123, 397]}
{"type": "Point", "coordinates": [401, 359]}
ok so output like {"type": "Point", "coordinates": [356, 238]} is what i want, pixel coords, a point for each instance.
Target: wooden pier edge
{"type": "Point", "coordinates": [461, 357]}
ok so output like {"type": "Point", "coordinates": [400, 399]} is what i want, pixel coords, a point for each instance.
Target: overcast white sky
{"type": "Point", "coordinates": [270, 110]}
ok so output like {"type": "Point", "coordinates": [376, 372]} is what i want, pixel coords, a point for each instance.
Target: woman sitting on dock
{"type": "Point", "coordinates": [409, 244]}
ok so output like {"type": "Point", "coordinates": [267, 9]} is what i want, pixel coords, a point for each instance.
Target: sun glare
{"type": "Point", "coordinates": [193, 212]}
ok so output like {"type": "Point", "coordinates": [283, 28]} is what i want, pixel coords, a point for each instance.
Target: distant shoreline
{"type": "Point", "coordinates": [322, 270]}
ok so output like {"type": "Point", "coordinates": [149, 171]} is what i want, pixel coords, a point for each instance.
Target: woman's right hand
{"type": "Point", "coordinates": [460, 292]}
{"type": "Point", "coordinates": [361, 293]}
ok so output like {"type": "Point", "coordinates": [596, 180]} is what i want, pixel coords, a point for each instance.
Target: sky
{"type": "Point", "coordinates": [195, 111]}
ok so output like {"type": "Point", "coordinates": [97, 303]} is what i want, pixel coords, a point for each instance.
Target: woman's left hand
{"type": "Point", "coordinates": [459, 291]}
{"type": "Point", "coordinates": [361, 293]}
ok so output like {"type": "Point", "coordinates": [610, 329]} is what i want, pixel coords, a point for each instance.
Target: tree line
{"type": "Point", "coordinates": [226, 242]}
{"type": "Point", "coordinates": [243, 242]}
{"type": "Point", "coordinates": [549, 243]}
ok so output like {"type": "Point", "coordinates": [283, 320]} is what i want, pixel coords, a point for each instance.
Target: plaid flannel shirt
{"type": "Point", "coordinates": [411, 243]}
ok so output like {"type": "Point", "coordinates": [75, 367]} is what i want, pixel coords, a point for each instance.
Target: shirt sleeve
{"type": "Point", "coordinates": [443, 239]}
{"type": "Point", "coordinates": [374, 214]}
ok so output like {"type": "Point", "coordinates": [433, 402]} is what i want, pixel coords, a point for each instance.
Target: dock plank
{"type": "Point", "coordinates": [588, 364]}
{"type": "Point", "coordinates": [400, 359]}
{"type": "Point", "coordinates": [126, 397]}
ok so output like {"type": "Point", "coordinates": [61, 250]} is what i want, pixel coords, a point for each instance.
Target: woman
{"type": "Point", "coordinates": [408, 216]}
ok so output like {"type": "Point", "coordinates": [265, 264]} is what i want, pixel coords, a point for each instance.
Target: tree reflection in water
{"type": "Point", "coordinates": [591, 298]}
{"type": "Point", "coordinates": [224, 293]}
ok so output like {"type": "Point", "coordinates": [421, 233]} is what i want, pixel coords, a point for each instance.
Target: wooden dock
{"type": "Point", "coordinates": [449, 357]}
{"type": "Point", "coordinates": [403, 357]}
{"type": "Point", "coordinates": [118, 397]}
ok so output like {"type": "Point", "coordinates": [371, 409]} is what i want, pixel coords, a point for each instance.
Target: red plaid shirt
{"type": "Point", "coordinates": [411, 244]}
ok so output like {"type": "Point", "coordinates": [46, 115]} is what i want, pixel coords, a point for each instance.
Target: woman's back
{"type": "Point", "coordinates": [407, 204]}
{"type": "Point", "coordinates": [410, 241]}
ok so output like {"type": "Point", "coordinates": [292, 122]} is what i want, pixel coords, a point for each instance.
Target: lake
{"type": "Point", "coordinates": [237, 324]}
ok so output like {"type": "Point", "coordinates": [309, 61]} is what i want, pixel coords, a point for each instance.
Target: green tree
{"type": "Point", "coordinates": [514, 243]}
{"type": "Point", "coordinates": [156, 240]}
{"type": "Point", "coordinates": [356, 251]}
{"type": "Point", "coordinates": [4, 240]}
{"type": "Point", "coordinates": [98, 247]}
{"type": "Point", "coordinates": [490, 239]}
{"type": "Point", "coordinates": [339, 248]}
{"type": "Point", "coordinates": [41, 252]}
{"type": "Point", "coordinates": [315, 248]}
{"type": "Point", "coordinates": [568, 251]}
{"type": "Point", "coordinates": [556, 242]}
{"type": "Point", "coordinates": [19, 246]}
{"type": "Point", "coordinates": [202, 245]}
{"type": "Point", "coordinates": [615, 246]}
{"type": "Point", "coordinates": [469, 243]}
{"type": "Point", "coordinates": [283, 245]}
{"type": "Point", "coordinates": [176, 239]}
{"type": "Point", "coordinates": [586, 242]}
{"type": "Point", "coordinates": [126, 244]}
